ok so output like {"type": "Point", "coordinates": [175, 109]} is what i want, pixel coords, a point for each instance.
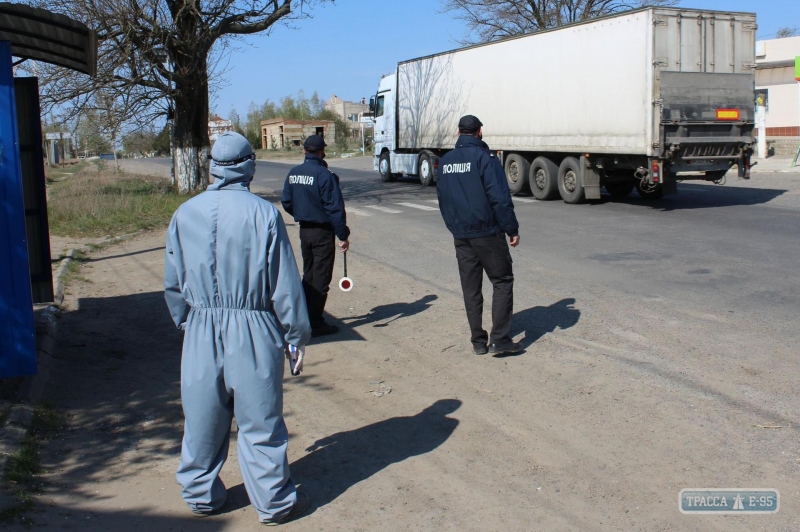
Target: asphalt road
{"type": "Point", "coordinates": [722, 249]}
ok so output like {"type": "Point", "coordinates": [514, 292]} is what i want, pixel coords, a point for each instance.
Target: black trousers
{"type": "Point", "coordinates": [490, 255]}
{"type": "Point", "coordinates": [318, 245]}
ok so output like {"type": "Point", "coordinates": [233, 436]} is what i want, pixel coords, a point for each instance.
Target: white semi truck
{"type": "Point", "coordinates": [638, 100]}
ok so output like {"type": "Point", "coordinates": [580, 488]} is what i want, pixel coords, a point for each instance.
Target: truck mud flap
{"type": "Point", "coordinates": [590, 179]}
{"type": "Point", "coordinates": [670, 184]}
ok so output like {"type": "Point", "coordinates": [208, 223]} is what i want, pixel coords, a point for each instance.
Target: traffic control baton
{"type": "Point", "coordinates": [345, 283]}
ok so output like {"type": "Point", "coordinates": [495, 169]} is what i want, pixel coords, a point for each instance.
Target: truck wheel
{"type": "Point", "coordinates": [543, 179]}
{"type": "Point", "coordinates": [385, 168]}
{"type": "Point", "coordinates": [649, 192]}
{"type": "Point", "coordinates": [427, 162]}
{"type": "Point", "coordinates": [569, 181]}
{"type": "Point", "coordinates": [619, 189]}
{"type": "Point", "coordinates": [517, 170]}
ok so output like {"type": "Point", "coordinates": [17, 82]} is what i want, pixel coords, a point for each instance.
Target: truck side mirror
{"type": "Point", "coordinates": [372, 104]}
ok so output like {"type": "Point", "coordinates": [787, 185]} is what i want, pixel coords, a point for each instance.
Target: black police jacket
{"type": "Point", "coordinates": [311, 194]}
{"type": "Point", "coordinates": [473, 193]}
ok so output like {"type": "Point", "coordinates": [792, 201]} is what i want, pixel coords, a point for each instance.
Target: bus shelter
{"type": "Point", "coordinates": [25, 262]}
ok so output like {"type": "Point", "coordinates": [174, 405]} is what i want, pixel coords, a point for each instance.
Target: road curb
{"type": "Point", "coordinates": [60, 275]}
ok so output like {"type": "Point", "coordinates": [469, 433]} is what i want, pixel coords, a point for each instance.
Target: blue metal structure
{"type": "Point", "coordinates": [17, 329]}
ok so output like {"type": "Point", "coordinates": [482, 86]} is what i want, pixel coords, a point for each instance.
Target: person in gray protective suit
{"type": "Point", "coordinates": [232, 284]}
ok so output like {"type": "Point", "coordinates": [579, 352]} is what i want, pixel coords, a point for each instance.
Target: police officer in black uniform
{"type": "Point", "coordinates": [311, 194]}
{"type": "Point", "coordinates": [476, 206]}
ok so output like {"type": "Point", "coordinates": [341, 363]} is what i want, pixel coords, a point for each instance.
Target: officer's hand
{"type": "Point", "coordinates": [513, 241]}
{"type": "Point", "coordinates": [344, 246]}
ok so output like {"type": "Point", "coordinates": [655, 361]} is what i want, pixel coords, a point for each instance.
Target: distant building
{"type": "Point", "coordinates": [278, 133]}
{"type": "Point", "coordinates": [217, 126]}
{"type": "Point", "coordinates": [349, 111]}
{"type": "Point", "coordinates": [775, 75]}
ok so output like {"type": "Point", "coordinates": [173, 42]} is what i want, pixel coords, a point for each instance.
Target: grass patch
{"type": "Point", "coordinates": [55, 174]}
{"type": "Point", "coordinates": [89, 203]}
{"type": "Point", "coordinates": [23, 469]}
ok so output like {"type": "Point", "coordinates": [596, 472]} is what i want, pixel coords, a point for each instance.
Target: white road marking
{"type": "Point", "coordinates": [356, 211]}
{"type": "Point", "coordinates": [436, 201]}
{"type": "Point", "coordinates": [420, 207]}
{"type": "Point", "coordinates": [383, 209]}
{"type": "Point", "coordinates": [525, 200]}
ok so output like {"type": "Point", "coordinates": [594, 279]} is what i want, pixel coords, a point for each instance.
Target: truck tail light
{"type": "Point", "coordinates": [728, 114]}
{"type": "Point", "coordinates": [656, 172]}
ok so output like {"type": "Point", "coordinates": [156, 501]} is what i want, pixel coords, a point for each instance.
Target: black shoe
{"type": "Point", "coordinates": [504, 348]}
{"type": "Point", "coordinates": [480, 349]}
{"type": "Point", "coordinates": [324, 330]}
{"type": "Point", "coordinates": [297, 510]}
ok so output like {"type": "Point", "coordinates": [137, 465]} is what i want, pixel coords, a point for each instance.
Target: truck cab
{"type": "Point", "coordinates": [383, 106]}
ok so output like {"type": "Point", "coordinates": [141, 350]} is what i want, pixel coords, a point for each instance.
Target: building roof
{"type": "Point", "coordinates": [293, 122]}
{"type": "Point", "coordinates": [777, 50]}
{"type": "Point", "coordinates": [41, 35]}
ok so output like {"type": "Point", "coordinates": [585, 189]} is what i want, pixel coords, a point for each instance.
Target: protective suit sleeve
{"type": "Point", "coordinates": [286, 289]}
{"type": "Point", "coordinates": [287, 198]}
{"type": "Point", "coordinates": [178, 307]}
{"type": "Point", "coordinates": [496, 187]}
{"type": "Point", "coordinates": [333, 203]}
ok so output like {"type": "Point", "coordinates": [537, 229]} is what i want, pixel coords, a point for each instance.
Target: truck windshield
{"type": "Point", "coordinates": [379, 107]}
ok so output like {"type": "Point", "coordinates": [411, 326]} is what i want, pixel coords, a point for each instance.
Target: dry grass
{"type": "Point", "coordinates": [98, 202]}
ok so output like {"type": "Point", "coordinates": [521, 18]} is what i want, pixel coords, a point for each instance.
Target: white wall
{"type": "Point", "coordinates": [784, 96]}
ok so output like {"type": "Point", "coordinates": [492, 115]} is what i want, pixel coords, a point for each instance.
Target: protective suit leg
{"type": "Point", "coordinates": [254, 366]}
{"type": "Point", "coordinates": [208, 412]}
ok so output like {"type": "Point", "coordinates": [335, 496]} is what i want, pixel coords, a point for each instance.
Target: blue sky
{"type": "Point", "coordinates": [346, 47]}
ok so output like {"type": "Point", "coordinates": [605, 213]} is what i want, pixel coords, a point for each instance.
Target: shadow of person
{"type": "Point", "coordinates": [338, 462]}
{"type": "Point", "coordinates": [395, 311]}
{"type": "Point", "coordinates": [535, 322]}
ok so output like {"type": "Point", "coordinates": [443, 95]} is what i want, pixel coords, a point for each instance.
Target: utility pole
{"type": "Point", "coordinates": [797, 77]}
{"type": "Point", "coordinates": [761, 113]}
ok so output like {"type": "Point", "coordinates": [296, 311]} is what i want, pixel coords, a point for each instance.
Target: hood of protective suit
{"type": "Point", "coordinates": [232, 161]}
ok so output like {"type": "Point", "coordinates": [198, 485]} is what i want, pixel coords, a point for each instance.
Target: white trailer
{"type": "Point", "coordinates": [639, 99]}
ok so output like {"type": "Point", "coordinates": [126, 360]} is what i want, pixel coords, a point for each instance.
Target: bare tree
{"type": "Point", "coordinates": [783, 33]}
{"type": "Point", "coordinates": [492, 20]}
{"type": "Point", "coordinates": [158, 55]}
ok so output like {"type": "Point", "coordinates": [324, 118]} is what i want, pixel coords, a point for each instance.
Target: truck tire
{"type": "Point", "coordinates": [427, 164]}
{"type": "Point", "coordinates": [569, 181]}
{"type": "Point", "coordinates": [620, 189]}
{"type": "Point", "coordinates": [543, 179]}
{"type": "Point", "coordinates": [517, 169]}
{"type": "Point", "coordinates": [649, 192]}
{"type": "Point", "coordinates": [385, 168]}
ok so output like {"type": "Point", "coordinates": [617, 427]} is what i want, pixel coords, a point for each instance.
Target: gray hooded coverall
{"type": "Point", "coordinates": [232, 283]}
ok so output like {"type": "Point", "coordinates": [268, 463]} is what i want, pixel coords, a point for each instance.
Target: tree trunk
{"type": "Point", "coordinates": [190, 135]}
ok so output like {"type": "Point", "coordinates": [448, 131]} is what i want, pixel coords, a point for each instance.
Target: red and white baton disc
{"type": "Point", "coordinates": [345, 284]}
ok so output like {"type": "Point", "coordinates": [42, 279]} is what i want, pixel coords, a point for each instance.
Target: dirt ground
{"type": "Point", "coordinates": [577, 434]}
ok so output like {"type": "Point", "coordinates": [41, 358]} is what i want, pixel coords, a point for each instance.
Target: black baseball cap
{"type": "Point", "coordinates": [469, 124]}
{"type": "Point", "coordinates": [314, 143]}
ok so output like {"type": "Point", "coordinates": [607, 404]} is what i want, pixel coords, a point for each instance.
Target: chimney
{"type": "Point", "coordinates": [363, 101]}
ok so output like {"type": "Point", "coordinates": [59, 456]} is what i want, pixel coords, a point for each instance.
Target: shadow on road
{"type": "Point", "coordinates": [535, 322]}
{"type": "Point", "coordinates": [115, 379]}
{"type": "Point", "coordinates": [702, 196]}
{"type": "Point", "coordinates": [338, 462]}
{"type": "Point", "coordinates": [132, 253]}
{"type": "Point", "coordinates": [395, 311]}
